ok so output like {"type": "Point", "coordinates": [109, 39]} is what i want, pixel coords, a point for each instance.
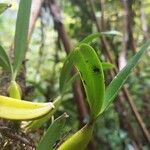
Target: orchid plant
{"type": "Point", "coordinates": [91, 71]}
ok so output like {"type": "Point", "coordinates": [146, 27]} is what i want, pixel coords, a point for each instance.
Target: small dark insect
{"type": "Point", "coordinates": [87, 61]}
{"type": "Point", "coordinates": [96, 69]}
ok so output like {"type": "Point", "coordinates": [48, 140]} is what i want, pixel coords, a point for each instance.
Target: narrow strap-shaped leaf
{"type": "Point", "coordinates": [94, 36]}
{"type": "Point", "coordinates": [115, 85]}
{"type": "Point", "coordinates": [52, 134]}
{"type": "Point", "coordinates": [3, 7]}
{"type": "Point", "coordinates": [89, 66]}
{"type": "Point", "coordinates": [21, 33]}
{"type": "Point", "coordinates": [4, 60]}
{"type": "Point", "coordinates": [89, 38]}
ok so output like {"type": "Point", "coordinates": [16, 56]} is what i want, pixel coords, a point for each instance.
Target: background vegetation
{"type": "Point", "coordinates": [55, 27]}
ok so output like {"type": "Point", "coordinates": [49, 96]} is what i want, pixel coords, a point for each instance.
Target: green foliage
{"type": "Point", "coordinates": [52, 134]}
{"type": "Point", "coordinates": [4, 60]}
{"type": "Point", "coordinates": [79, 140]}
{"type": "Point", "coordinates": [114, 87]}
{"type": "Point", "coordinates": [83, 58]}
{"type": "Point", "coordinates": [20, 45]}
{"type": "Point", "coordinates": [21, 34]}
{"type": "Point", "coordinates": [94, 36]}
{"type": "Point", "coordinates": [90, 69]}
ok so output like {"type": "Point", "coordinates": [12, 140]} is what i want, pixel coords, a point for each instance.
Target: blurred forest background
{"type": "Point", "coordinates": [55, 27]}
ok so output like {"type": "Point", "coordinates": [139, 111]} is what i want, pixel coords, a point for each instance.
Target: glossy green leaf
{"type": "Point", "coordinates": [52, 134]}
{"type": "Point", "coordinates": [79, 140]}
{"type": "Point", "coordinates": [66, 80]}
{"type": "Point", "coordinates": [3, 7]}
{"type": "Point", "coordinates": [89, 66]}
{"type": "Point", "coordinates": [65, 73]}
{"type": "Point", "coordinates": [85, 59]}
{"type": "Point", "coordinates": [21, 33]}
{"type": "Point", "coordinates": [115, 85]}
{"type": "Point", "coordinates": [4, 60]}
{"type": "Point", "coordinates": [33, 125]}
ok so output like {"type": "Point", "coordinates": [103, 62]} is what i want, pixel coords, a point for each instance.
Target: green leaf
{"type": "Point", "coordinates": [33, 125]}
{"type": "Point", "coordinates": [115, 85]}
{"type": "Point", "coordinates": [3, 7]}
{"type": "Point", "coordinates": [106, 65]}
{"type": "Point", "coordinates": [85, 59]}
{"type": "Point", "coordinates": [79, 140]}
{"type": "Point", "coordinates": [89, 66]}
{"type": "Point", "coordinates": [94, 36]}
{"type": "Point", "coordinates": [52, 134]}
{"type": "Point", "coordinates": [21, 33]}
{"type": "Point", "coordinates": [89, 38]}
{"type": "Point", "coordinates": [65, 73]}
{"type": "Point", "coordinates": [4, 60]}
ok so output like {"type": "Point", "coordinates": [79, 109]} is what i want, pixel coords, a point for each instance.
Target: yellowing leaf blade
{"type": "Point", "coordinates": [13, 109]}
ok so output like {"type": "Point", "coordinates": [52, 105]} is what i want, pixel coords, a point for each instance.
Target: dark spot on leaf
{"type": "Point", "coordinates": [86, 61]}
{"type": "Point", "coordinates": [96, 69]}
